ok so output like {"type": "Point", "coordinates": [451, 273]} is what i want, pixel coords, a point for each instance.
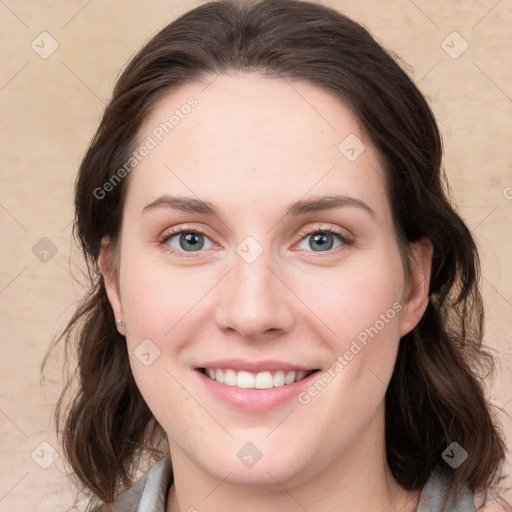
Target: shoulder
{"type": "Point", "coordinates": [148, 493]}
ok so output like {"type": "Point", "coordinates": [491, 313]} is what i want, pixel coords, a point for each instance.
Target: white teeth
{"type": "Point", "coordinates": [245, 380]}
{"type": "Point", "coordinates": [279, 379]}
{"type": "Point", "coordinates": [262, 380]}
{"type": "Point", "coordinates": [230, 377]}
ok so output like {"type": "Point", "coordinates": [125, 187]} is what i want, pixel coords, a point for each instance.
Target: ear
{"type": "Point", "coordinates": [108, 264]}
{"type": "Point", "coordinates": [416, 302]}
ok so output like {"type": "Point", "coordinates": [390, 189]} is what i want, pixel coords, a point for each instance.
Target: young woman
{"type": "Point", "coordinates": [284, 306]}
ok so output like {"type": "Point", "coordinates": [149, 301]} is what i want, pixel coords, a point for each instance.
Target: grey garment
{"type": "Point", "coordinates": [149, 494]}
{"type": "Point", "coordinates": [433, 498]}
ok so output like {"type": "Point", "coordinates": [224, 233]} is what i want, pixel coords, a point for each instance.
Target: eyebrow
{"type": "Point", "coordinates": [192, 205]}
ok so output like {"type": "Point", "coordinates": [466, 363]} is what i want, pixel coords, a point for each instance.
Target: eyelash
{"type": "Point", "coordinates": [330, 231]}
{"type": "Point", "coordinates": [301, 236]}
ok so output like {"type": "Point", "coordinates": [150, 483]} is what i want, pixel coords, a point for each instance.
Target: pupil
{"type": "Point", "coordinates": [323, 241]}
{"type": "Point", "coordinates": [191, 241]}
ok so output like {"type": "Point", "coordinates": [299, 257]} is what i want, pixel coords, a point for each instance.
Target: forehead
{"type": "Point", "coordinates": [248, 140]}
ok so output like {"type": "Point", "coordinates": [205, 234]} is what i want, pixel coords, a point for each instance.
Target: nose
{"type": "Point", "coordinates": [254, 302]}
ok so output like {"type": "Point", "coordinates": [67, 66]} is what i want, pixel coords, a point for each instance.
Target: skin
{"type": "Point", "coordinates": [251, 147]}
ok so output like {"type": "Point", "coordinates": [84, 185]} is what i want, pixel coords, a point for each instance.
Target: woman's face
{"type": "Point", "coordinates": [257, 246]}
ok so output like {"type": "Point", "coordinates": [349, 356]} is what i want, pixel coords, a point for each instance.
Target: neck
{"type": "Point", "coordinates": [356, 481]}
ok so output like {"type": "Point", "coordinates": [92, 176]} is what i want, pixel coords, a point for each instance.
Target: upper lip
{"type": "Point", "coordinates": [254, 366]}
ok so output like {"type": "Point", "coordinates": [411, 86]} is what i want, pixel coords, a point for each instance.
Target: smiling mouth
{"type": "Point", "coordinates": [261, 380]}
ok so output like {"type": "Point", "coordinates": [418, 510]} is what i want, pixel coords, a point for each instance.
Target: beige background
{"type": "Point", "coordinates": [51, 107]}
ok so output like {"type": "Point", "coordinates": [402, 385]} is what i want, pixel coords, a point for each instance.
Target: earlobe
{"type": "Point", "coordinates": [421, 253]}
{"type": "Point", "coordinates": [107, 265]}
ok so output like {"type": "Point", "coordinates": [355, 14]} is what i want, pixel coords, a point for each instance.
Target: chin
{"type": "Point", "coordinates": [262, 463]}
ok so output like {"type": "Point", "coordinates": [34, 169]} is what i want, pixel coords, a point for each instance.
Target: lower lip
{"type": "Point", "coordinates": [255, 399]}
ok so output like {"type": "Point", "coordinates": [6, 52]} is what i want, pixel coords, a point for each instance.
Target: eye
{"type": "Point", "coordinates": [187, 241]}
{"type": "Point", "coordinates": [322, 240]}
{"type": "Point", "coordinates": [192, 240]}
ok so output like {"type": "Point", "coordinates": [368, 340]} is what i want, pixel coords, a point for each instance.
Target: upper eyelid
{"type": "Point", "coordinates": [343, 232]}
{"type": "Point", "coordinates": [169, 233]}
{"type": "Point", "coordinates": [302, 234]}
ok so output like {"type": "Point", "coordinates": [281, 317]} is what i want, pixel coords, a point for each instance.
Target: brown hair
{"type": "Point", "coordinates": [435, 396]}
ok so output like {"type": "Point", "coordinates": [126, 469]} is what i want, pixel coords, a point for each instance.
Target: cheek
{"type": "Point", "coordinates": [358, 300]}
{"type": "Point", "coordinates": [156, 297]}
{"type": "Point", "coordinates": [158, 303]}
{"type": "Point", "coordinates": [164, 309]}
{"type": "Point", "coordinates": [361, 304]}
